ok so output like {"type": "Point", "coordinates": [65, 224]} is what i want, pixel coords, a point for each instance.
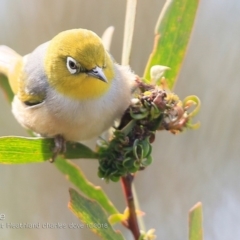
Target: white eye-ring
{"type": "Point", "coordinates": [72, 65]}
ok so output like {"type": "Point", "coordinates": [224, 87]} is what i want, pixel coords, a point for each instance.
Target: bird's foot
{"type": "Point", "coordinates": [60, 147]}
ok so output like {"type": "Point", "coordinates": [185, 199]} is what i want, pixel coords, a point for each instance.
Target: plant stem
{"type": "Point", "coordinates": [132, 220]}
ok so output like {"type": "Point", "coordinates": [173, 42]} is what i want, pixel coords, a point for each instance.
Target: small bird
{"type": "Point", "coordinates": [68, 88]}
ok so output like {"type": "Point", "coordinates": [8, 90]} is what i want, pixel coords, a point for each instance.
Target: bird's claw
{"type": "Point", "coordinates": [60, 147]}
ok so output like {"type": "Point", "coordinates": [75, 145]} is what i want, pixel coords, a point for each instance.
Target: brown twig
{"type": "Point", "coordinates": [132, 220]}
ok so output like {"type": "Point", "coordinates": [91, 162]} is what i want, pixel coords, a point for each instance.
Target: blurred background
{"type": "Point", "coordinates": [202, 165]}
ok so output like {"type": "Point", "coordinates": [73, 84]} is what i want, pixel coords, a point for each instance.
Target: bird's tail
{"type": "Point", "coordinates": [8, 58]}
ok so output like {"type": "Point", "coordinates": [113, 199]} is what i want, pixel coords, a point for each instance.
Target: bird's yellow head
{"type": "Point", "coordinates": [77, 65]}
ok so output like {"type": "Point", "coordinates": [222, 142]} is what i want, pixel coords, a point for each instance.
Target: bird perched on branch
{"type": "Point", "coordinates": [69, 88]}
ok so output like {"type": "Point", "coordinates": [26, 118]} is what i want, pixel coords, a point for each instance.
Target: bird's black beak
{"type": "Point", "coordinates": [98, 73]}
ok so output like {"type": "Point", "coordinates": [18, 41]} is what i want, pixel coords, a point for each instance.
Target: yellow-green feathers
{"type": "Point", "coordinates": [87, 49]}
{"type": "Point", "coordinates": [68, 86]}
{"type": "Point", "coordinates": [30, 75]}
{"type": "Point", "coordinates": [12, 66]}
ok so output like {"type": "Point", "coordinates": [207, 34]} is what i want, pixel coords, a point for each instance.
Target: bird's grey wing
{"type": "Point", "coordinates": [35, 79]}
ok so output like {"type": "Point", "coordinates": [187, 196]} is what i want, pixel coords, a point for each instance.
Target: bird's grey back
{"type": "Point", "coordinates": [36, 79]}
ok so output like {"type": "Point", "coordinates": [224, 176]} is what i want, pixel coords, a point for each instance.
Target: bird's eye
{"type": "Point", "coordinates": [72, 65]}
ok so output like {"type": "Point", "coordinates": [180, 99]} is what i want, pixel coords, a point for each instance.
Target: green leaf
{"type": "Point", "coordinates": [78, 150]}
{"type": "Point", "coordinates": [19, 150]}
{"type": "Point", "coordinates": [172, 35]}
{"type": "Point", "coordinates": [16, 150]}
{"type": "Point", "coordinates": [93, 216]}
{"type": "Point", "coordinates": [188, 102]}
{"type": "Point", "coordinates": [117, 218]}
{"type": "Point", "coordinates": [195, 223]}
{"type": "Point", "coordinates": [76, 176]}
{"type": "Point", "coordinates": [192, 100]}
{"type": "Point", "coordinates": [4, 84]}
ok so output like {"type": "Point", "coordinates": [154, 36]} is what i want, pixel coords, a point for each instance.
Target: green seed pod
{"type": "Point", "coordinates": [146, 146]}
{"type": "Point", "coordinates": [138, 116]}
{"type": "Point", "coordinates": [147, 161]}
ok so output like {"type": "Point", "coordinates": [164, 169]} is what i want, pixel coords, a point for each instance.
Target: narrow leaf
{"type": "Point", "coordinates": [107, 37]}
{"type": "Point", "coordinates": [76, 176]}
{"type": "Point", "coordinates": [6, 88]}
{"type": "Point", "coordinates": [93, 216]}
{"type": "Point", "coordinates": [172, 35]}
{"type": "Point", "coordinates": [19, 150]}
{"type": "Point", "coordinates": [117, 218]}
{"type": "Point", "coordinates": [195, 223]}
{"type": "Point", "coordinates": [16, 150]}
{"type": "Point", "coordinates": [78, 150]}
{"type": "Point", "coordinates": [128, 30]}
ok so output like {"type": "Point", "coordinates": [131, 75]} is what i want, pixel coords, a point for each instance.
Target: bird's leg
{"type": "Point", "coordinates": [60, 147]}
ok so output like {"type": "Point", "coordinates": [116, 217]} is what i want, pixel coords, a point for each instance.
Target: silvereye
{"type": "Point", "coordinates": [69, 87]}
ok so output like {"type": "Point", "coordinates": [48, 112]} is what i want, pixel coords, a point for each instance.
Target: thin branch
{"type": "Point", "coordinates": [132, 220]}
